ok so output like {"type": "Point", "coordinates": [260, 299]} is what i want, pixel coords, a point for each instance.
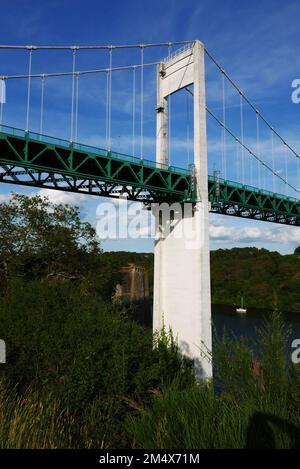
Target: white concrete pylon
{"type": "Point", "coordinates": [182, 298]}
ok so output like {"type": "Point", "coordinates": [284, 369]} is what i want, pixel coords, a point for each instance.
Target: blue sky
{"type": "Point", "coordinates": [255, 42]}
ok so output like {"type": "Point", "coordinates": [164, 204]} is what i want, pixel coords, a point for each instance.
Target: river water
{"type": "Point", "coordinates": [246, 325]}
{"type": "Point", "coordinates": [226, 317]}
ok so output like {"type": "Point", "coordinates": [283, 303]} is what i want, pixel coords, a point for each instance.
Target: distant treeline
{"type": "Point", "coordinates": [265, 279]}
{"type": "Point", "coordinates": [40, 240]}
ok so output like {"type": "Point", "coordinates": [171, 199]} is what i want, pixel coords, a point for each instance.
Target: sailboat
{"type": "Point", "coordinates": [241, 309]}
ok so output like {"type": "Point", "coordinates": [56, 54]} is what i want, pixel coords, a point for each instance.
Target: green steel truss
{"type": "Point", "coordinates": [31, 159]}
{"type": "Point", "coordinates": [47, 160]}
{"type": "Point", "coordinates": [230, 198]}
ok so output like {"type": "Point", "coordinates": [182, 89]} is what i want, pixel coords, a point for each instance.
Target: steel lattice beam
{"type": "Point", "coordinates": [229, 198]}
{"type": "Point", "coordinates": [32, 160]}
{"type": "Point", "coordinates": [76, 164]}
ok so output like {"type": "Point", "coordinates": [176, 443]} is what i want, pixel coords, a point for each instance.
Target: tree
{"type": "Point", "coordinates": [43, 236]}
{"type": "Point", "coordinates": [297, 250]}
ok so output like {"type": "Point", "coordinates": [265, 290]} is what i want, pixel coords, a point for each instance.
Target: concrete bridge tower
{"type": "Point", "coordinates": [182, 297]}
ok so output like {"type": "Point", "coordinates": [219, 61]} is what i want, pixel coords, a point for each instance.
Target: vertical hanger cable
{"type": "Point", "coordinates": [28, 91]}
{"type": "Point", "coordinates": [42, 105]}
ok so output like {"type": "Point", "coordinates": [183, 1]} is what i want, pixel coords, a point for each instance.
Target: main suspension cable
{"type": "Point", "coordinates": [251, 152]}
{"type": "Point", "coordinates": [85, 47]}
{"type": "Point", "coordinates": [250, 104]}
{"type": "Point", "coordinates": [79, 72]}
{"type": "Point", "coordinates": [246, 147]}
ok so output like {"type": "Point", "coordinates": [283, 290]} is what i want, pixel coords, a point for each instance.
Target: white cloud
{"type": "Point", "coordinates": [61, 197]}
{"type": "Point", "coordinates": [4, 198]}
{"type": "Point", "coordinates": [226, 231]}
{"type": "Point", "coordinates": [221, 229]}
{"type": "Point", "coordinates": [55, 196]}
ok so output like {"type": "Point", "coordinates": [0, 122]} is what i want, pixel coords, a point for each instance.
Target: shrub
{"type": "Point", "coordinates": [257, 405]}
{"type": "Point", "coordinates": [71, 348]}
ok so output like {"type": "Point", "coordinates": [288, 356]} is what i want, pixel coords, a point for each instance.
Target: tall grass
{"type": "Point", "coordinates": [258, 406]}
{"type": "Point", "coordinates": [83, 401]}
{"type": "Point", "coordinates": [26, 422]}
{"type": "Point", "coordinates": [196, 418]}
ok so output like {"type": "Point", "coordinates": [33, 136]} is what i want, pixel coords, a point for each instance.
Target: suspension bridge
{"type": "Point", "coordinates": [254, 171]}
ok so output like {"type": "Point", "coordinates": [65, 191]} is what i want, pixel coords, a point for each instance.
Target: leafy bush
{"type": "Point", "coordinates": [68, 346]}
{"type": "Point", "coordinates": [258, 406]}
{"type": "Point", "coordinates": [80, 374]}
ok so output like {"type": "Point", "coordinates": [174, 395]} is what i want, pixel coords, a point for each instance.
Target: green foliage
{"type": "Point", "coordinates": [258, 275]}
{"type": "Point", "coordinates": [274, 337]}
{"type": "Point", "coordinates": [81, 374]}
{"type": "Point", "coordinates": [27, 422]}
{"type": "Point", "coordinates": [38, 237]}
{"type": "Point", "coordinates": [71, 348]}
{"type": "Point", "coordinates": [34, 224]}
{"type": "Point", "coordinates": [258, 406]}
{"type": "Point", "coordinates": [172, 363]}
{"type": "Point", "coordinates": [68, 348]}
{"type": "Point", "coordinates": [82, 371]}
{"type": "Point", "coordinates": [261, 369]}
{"type": "Point", "coordinates": [233, 359]}
{"type": "Point", "coordinates": [196, 418]}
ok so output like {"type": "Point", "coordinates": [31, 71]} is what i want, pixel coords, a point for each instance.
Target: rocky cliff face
{"type": "Point", "coordinates": [134, 286]}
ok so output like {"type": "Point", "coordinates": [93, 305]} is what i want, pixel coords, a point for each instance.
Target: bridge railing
{"type": "Point", "coordinates": [238, 185]}
{"type": "Point", "coordinates": [177, 52]}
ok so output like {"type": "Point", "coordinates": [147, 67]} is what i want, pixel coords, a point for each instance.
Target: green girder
{"type": "Point", "coordinates": [47, 154]}
{"type": "Point", "coordinates": [30, 159]}
{"type": "Point", "coordinates": [230, 198]}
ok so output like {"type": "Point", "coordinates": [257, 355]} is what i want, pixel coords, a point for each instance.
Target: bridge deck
{"type": "Point", "coordinates": [231, 198]}
{"type": "Point", "coordinates": [30, 159]}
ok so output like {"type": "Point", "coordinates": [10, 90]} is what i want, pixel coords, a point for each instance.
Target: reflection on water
{"type": "Point", "coordinates": [246, 325]}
